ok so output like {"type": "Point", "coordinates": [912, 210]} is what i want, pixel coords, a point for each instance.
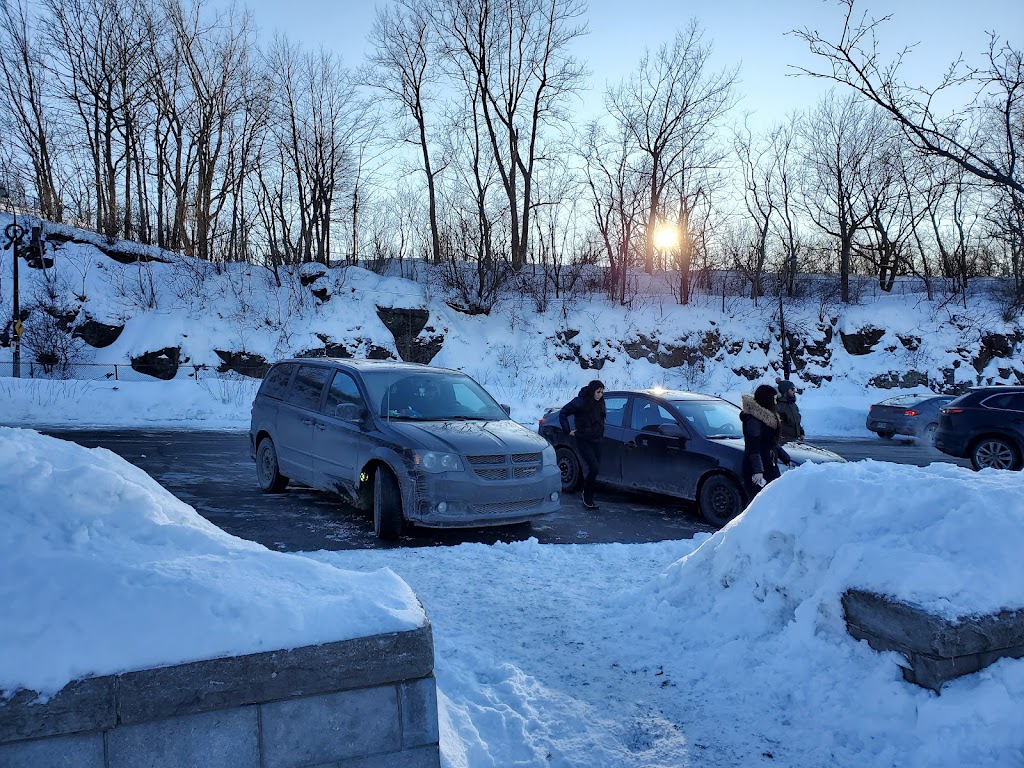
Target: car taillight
{"type": "Point", "coordinates": [871, 409]}
{"type": "Point", "coordinates": [951, 411]}
{"type": "Point", "coordinates": [910, 413]}
{"type": "Point", "coordinates": [543, 421]}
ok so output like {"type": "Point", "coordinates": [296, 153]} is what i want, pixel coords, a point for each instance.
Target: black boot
{"type": "Point", "coordinates": [589, 503]}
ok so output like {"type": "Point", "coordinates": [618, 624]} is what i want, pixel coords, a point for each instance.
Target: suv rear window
{"type": "Point", "coordinates": [276, 382]}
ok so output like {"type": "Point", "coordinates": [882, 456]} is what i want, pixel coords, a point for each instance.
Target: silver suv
{"type": "Point", "coordinates": [416, 444]}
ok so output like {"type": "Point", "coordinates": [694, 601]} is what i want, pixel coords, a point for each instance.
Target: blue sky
{"type": "Point", "coordinates": [748, 32]}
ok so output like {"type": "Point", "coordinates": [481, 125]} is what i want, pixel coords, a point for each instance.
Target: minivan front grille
{"type": "Point", "coordinates": [506, 507]}
{"type": "Point", "coordinates": [490, 458]}
{"type": "Point", "coordinates": [501, 467]}
{"type": "Point", "coordinates": [525, 458]}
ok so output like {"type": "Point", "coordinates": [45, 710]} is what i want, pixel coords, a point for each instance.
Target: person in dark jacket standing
{"type": "Point", "coordinates": [790, 426]}
{"type": "Point", "coordinates": [589, 411]}
{"type": "Point", "coordinates": [761, 448]}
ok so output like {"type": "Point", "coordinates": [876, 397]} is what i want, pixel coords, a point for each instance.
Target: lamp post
{"type": "Point", "coordinates": [14, 233]}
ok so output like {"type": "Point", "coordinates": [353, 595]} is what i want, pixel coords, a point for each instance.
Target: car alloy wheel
{"type": "Point", "coordinates": [992, 453]}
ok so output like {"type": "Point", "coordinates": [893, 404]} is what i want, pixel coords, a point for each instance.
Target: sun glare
{"type": "Point", "coordinates": [666, 236]}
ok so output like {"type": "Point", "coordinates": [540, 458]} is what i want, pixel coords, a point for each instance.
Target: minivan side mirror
{"type": "Point", "coordinates": [506, 408]}
{"type": "Point", "coordinates": [349, 412]}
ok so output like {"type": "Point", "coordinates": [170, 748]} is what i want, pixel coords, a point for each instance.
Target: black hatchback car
{"type": "Point", "coordinates": [414, 443]}
{"type": "Point", "coordinates": [679, 444]}
{"type": "Point", "coordinates": [985, 425]}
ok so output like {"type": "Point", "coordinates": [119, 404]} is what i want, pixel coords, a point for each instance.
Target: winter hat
{"type": "Point", "coordinates": [785, 386]}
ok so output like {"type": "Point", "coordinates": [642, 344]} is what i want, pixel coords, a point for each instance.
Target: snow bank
{"type": "Point", "coordinates": [103, 571]}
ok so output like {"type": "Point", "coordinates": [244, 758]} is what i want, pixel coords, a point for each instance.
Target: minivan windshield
{"type": "Point", "coordinates": [713, 419]}
{"type": "Point", "coordinates": [430, 395]}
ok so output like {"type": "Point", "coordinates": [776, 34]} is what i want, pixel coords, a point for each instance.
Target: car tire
{"type": "Point", "coordinates": [886, 435]}
{"type": "Point", "coordinates": [387, 505]}
{"type": "Point", "coordinates": [995, 453]}
{"type": "Point", "coordinates": [928, 435]}
{"type": "Point", "coordinates": [720, 500]}
{"type": "Point", "coordinates": [569, 468]}
{"type": "Point", "coordinates": [268, 471]}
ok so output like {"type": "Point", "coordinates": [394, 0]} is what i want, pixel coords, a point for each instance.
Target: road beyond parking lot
{"type": "Point", "coordinates": [212, 472]}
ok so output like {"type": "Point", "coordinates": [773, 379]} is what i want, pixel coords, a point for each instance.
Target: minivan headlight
{"type": "Point", "coordinates": [548, 457]}
{"type": "Point", "coordinates": [435, 461]}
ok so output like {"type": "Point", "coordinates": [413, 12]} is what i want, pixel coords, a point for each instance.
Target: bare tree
{"type": "Point", "coordinates": [403, 69]}
{"type": "Point", "coordinates": [985, 139]}
{"type": "Point", "coordinates": [25, 88]}
{"type": "Point", "coordinates": [518, 52]}
{"type": "Point", "coordinates": [839, 139]}
{"type": "Point", "coordinates": [672, 104]}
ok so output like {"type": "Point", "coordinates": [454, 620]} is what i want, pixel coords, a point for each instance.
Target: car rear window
{"type": "Point", "coordinates": [276, 382]}
{"type": "Point", "coordinates": [309, 384]}
{"type": "Point", "coordinates": [907, 400]}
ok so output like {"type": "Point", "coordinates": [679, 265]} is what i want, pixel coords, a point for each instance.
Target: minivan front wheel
{"type": "Point", "coordinates": [994, 453]}
{"type": "Point", "coordinates": [387, 505]}
{"type": "Point", "coordinates": [268, 472]}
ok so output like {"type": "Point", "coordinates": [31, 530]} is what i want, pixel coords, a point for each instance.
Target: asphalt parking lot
{"type": "Point", "coordinates": [212, 472]}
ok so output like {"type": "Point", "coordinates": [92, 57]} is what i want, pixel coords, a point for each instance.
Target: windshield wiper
{"type": "Point", "coordinates": [723, 437]}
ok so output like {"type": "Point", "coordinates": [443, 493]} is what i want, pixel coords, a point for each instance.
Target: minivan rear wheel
{"type": "Point", "coordinates": [268, 472]}
{"type": "Point", "coordinates": [387, 505]}
{"type": "Point", "coordinates": [720, 500]}
{"type": "Point", "coordinates": [994, 453]}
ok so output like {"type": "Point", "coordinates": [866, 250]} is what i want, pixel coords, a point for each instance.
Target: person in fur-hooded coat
{"type": "Point", "coordinates": [761, 448]}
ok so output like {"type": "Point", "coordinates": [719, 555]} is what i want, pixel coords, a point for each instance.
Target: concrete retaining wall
{"type": "Point", "coordinates": [364, 703]}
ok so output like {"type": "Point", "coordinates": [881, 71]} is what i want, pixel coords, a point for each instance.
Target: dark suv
{"type": "Point", "coordinates": [414, 443]}
{"type": "Point", "coordinates": [986, 425]}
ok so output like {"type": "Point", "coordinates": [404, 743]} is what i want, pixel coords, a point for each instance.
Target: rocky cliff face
{"type": "Point", "coordinates": [112, 300]}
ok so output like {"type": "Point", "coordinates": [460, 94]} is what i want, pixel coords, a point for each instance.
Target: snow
{"type": "Point", "coordinates": [724, 650]}
{"type": "Point", "coordinates": [721, 651]}
{"type": "Point", "coordinates": [103, 571]}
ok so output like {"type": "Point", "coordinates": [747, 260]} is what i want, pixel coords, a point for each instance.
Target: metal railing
{"type": "Point", "coordinates": [127, 372]}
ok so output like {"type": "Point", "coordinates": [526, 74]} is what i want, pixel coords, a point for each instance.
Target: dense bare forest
{"type": "Point", "coordinates": [170, 123]}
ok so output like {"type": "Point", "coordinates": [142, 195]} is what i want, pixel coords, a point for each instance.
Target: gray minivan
{"type": "Point", "coordinates": [414, 443]}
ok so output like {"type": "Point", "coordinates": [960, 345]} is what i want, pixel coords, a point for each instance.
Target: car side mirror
{"type": "Point", "coordinates": [349, 412]}
{"type": "Point", "coordinates": [506, 408]}
{"type": "Point", "coordinates": [671, 429]}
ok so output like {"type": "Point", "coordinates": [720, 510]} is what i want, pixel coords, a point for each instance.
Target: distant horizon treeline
{"type": "Point", "coordinates": [166, 122]}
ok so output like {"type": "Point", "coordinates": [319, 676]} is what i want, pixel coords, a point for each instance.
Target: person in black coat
{"type": "Point", "coordinates": [761, 447]}
{"type": "Point", "coordinates": [589, 411]}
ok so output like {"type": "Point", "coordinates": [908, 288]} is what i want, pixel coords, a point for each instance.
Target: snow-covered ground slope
{"type": "Point", "coordinates": [727, 650]}
{"type": "Point", "coordinates": [181, 313]}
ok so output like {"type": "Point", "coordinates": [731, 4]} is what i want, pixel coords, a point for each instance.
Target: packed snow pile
{"type": "Point", "coordinates": [103, 571]}
{"type": "Point", "coordinates": [754, 614]}
{"type": "Point", "coordinates": [940, 536]}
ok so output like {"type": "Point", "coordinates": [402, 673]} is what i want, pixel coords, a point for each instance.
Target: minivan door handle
{"type": "Point", "coordinates": [308, 422]}
{"type": "Point", "coordinates": [319, 425]}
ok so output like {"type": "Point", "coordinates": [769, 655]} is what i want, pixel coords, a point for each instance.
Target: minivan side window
{"type": "Point", "coordinates": [276, 383]}
{"type": "Point", "coordinates": [309, 383]}
{"type": "Point", "coordinates": [344, 390]}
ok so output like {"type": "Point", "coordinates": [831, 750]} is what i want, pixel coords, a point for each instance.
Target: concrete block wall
{"type": "Point", "coordinates": [364, 703]}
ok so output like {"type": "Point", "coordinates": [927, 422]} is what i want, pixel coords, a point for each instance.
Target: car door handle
{"type": "Point", "coordinates": [308, 422]}
{"type": "Point", "coordinates": [319, 425]}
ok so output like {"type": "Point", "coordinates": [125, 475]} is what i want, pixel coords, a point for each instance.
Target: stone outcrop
{"type": "Point", "coordinates": [97, 334]}
{"type": "Point", "coordinates": [161, 364]}
{"type": "Point", "coordinates": [414, 340]}
{"type": "Point", "coordinates": [243, 363]}
{"type": "Point", "coordinates": [861, 342]}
